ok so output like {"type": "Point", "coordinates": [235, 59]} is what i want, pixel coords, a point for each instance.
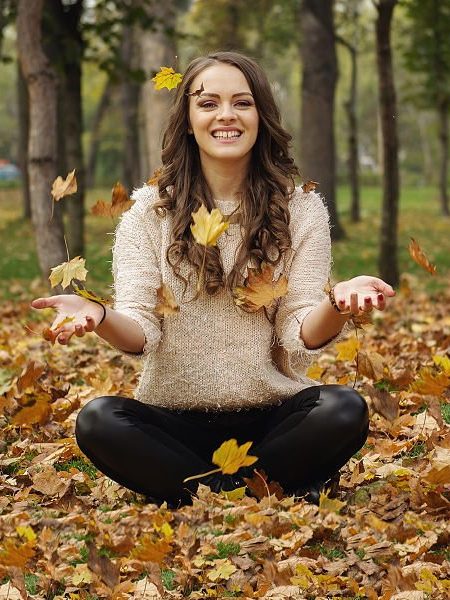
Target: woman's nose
{"type": "Point", "coordinates": [226, 112]}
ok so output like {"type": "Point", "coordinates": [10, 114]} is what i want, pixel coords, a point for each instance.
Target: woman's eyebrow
{"type": "Point", "coordinates": [210, 95]}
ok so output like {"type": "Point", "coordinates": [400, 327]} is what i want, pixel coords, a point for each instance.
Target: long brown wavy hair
{"type": "Point", "coordinates": [265, 195]}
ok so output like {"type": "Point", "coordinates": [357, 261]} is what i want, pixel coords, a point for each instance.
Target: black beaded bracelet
{"type": "Point", "coordinates": [333, 300]}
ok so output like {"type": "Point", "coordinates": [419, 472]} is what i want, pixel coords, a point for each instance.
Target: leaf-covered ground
{"type": "Point", "coordinates": [69, 532]}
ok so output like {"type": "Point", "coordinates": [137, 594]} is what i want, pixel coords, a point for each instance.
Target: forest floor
{"type": "Point", "coordinates": [67, 531]}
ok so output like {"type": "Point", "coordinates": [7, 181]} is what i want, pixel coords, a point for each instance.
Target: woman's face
{"type": "Point", "coordinates": [223, 118]}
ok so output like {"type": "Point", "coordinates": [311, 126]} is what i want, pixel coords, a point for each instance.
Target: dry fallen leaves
{"type": "Point", "coordinates": [166, 303]}
{"type": "Point", "coordinates": [259, 289]}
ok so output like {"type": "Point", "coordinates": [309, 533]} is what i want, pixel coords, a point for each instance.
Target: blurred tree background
{"type": "Point", "coordinates": [363, 87]}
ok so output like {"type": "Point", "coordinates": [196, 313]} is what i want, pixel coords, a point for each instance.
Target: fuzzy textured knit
{"type": "Point", "coordinates": [211, 355]}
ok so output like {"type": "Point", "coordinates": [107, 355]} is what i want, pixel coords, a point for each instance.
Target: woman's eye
{"type": "Point", "coordinates": [243, 103]}
{"type": "Point", "coordinates": [207, 105]}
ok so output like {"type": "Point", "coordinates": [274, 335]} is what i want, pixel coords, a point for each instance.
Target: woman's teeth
{"type": "Point", "coordinates": [226, 134]}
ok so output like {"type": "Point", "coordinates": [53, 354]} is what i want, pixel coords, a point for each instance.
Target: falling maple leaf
{"type": "Point", "coordinates": [418, 255]}
{"type": "Point", "coordinates": [348, 350]}
{"type": "Point", "coordinates": [166, 304]}
{"type": "Point", "coordinates": [309, 186]}
{"type": "Point", "coordinates": [64, 187]}
{"type": "Point", "coordinates": [196, 92]}
{"type": "Point", "coordinates": [260, 487]}
{"type": "Point", "coordinates": [120, 203]}
{"type": "Point", "coordinates": [155, 177]}
{"type": "Point", "coordinates": [260, 289]}
{"type": "Point", "coordinates": [167, 78]}
{"type": "Point", "coordinates": [208, 226]}
{"type": "Point", "coordinates": [230, 457]}
{"type": "Point", "coordinates": [89, 295]}
{"type": "Point", "coordinates": [65, 272]}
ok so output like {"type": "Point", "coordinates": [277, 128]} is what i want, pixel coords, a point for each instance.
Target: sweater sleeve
{"type": "Point", "coordinates": [308, 275]}
{"type": "Point", "coordinates": [135, 270]}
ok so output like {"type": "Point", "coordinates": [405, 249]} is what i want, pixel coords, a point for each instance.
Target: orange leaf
{"type": "Point", "coordinates": [259, 289]}
{"type": "Point", "coordinates": [418, 255]}
{"type": "Point", "coordinates": [430, 383]}
{"type": "Point", "coordinates": [14, 555]}
{"type": "Point", "coordinates": [167, 304]}
{"type": "Point", "coordinates": [32, 372]}
{"type": "Point", "coordinates": [120, 203]}
{"type": "Point", "coordinates": [38, 412]}
{"type": "Point", "coordinates": [261, 487]}
{"type": "Point", "coordinates": [150, 550]}
{"type": "Point", "coordinates": [155, 177]}
{"type": "Point", "coordinates": [309, 186]}
{"type": "Point", "coordinates": [64, 187]}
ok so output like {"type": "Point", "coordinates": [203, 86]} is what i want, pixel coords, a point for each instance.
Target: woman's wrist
{"type": "Point", "coordinates": [104, 312]}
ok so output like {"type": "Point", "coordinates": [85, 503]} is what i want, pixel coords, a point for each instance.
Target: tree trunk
{"type": "Point", "coordinates": [73, 48]}
{"type": "Point", "coordinates": [42, 147]}
{"type": "Point", "coordinates": [320, 74]}
{"type": "Point", "coordinates": [102, 108]}
{"type": "Point", "coordinates": [157, 50]}
{"type": "Point", "coordinates": [443, 171]}
{"type": "Point", "coordinates": [388, 257]}
{"type": "Point", "coordinates": [130, 109]}
{"type": "Point", "coordinates": [23, 104]}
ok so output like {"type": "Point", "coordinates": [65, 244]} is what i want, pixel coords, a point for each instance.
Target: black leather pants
{"type": "Point", "coordinates": [150, 450]}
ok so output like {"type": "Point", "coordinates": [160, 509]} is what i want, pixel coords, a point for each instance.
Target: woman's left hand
{"type": "Point", "coordinates": [362, 294]}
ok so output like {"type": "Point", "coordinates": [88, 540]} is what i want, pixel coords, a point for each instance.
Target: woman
{"type": "Point", "coordinates": [214, 370]}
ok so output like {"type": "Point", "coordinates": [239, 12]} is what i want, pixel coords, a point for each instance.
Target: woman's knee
{"type": "Point", "coordinates": [346, 406]}
{"type": "Point", "coordinates": [91, 417]}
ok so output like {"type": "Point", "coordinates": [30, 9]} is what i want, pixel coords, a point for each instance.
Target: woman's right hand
{"type": "Point", "coordinates": [86, 315]}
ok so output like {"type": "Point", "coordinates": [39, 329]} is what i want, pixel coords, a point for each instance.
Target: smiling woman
{"type": "Point", "coordinates": [222, 364]}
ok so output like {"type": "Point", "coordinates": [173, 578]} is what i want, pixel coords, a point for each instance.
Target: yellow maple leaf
{"type": "Point", "coordinates": [208, 226]}
{"type": "Point", "coordinates": [230, 457]}
{"type": "Point", "coordinates": [120, 202]}
{"type": "Point", "coordinates": [330, 504]}
{"type": "Point", "coordinates": [89, 294]}
{"type": "Point", "coordinates": [236, 494]}
{"type": "Point", "coordinates": [166, 305]}
{"type": "Point", "coordinates": [315, 371]}
{"type": "Point", "coordinates": [65, 272]}
{"type": "Point", "coordinates": [430, 383]}
{"type": "Point", "coordinates": [167, 78]}
{"type": "Point", "coordinates": [223, 570]}
{"type": "Point", "coordinates": [348, 350]}
{"type": "Point", "coordinates": [27, 532]}
{"type": "Point", "coordinates": [260, 289]}
{"type": "Point", "coordinates": [443, 362]}
{"type": "Point", "coordinates": [64, 187]}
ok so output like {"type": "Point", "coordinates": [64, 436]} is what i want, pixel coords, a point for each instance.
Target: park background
{"type": "Point", "coordinates": [364, 88]}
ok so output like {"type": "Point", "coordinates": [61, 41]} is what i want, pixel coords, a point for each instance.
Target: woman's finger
{"type": "Point", "coordinates": [49, 302]}
{"type": "Point", "coordinates": [368, 306]}
{"type": "Point", "coordinates": [381, 302]}
{"type": "Point", "coordinates": [90, 323]}
{"type": "Point", "coordinates": [79, 330]}
{"type": "Point", "coordinates": [354, 308]}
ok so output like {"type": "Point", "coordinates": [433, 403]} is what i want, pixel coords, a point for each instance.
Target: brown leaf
{"type": "Point", "coordinates": [260, 487]}
{"type": "Point", "coordinates": [36, 413]}
{"type": "Point", "coordinates": [48, 482]}
{"type": "Point", "coordinates": [149, 549]}
{"type": "Point", "coordinates": [166, 305]}
{"type": "Point", "coordinates": [383, 403]}
{"type": "Point", "coordinates": [108, 572]}
{"type": "Point", "coordinates": [120, 203]}
{"type": "Point", "coordinates": [64, 187]}
{"type": "Point", "coordinates": [371, 365]}
{"type": "Point", "coordinates": [260, 289]}
{"type": "Point", "coordinates": [30, 375]}
{"type": "Point", "coordinates": [418, 255]}
{"type": "Point", "coordinates": [309, 186]}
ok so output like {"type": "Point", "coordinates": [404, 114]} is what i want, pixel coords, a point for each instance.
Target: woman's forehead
{"type": "Point", "coordinates": [221, 79]}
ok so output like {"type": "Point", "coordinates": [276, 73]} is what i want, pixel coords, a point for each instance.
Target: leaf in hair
{"type": "Point", "coordinates": [309, 186]}
{"type": "Point", "coordinates": [197, 92]}
{"type": "Point", "coordinates": [167, 78]}
{"type": "Point", "coordinates": [260, 289]}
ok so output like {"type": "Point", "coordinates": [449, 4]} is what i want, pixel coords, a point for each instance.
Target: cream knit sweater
{"type": "Point", "coordinates": [211, 355]}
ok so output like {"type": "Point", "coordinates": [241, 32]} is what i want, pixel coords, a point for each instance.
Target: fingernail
{"type": "Point", "coordinates": [341, 301]}
{"type": "Point", "coordinates": [380, 297]}
{"type": "Point", "coordinates": [367, 300]}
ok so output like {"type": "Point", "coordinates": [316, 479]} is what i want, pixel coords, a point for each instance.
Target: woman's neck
{"type": "Point", "coordinates": [224, 178]}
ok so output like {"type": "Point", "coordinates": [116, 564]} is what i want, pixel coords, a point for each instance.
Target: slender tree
{"type": "Point", "coordinates": [388, 256]}
{"type": "Point", "coordinates": [427, 55]}
{"type": "Point", "coordinates": [318, 53]}
{"type": "Point", "coordinates": [42, 146]}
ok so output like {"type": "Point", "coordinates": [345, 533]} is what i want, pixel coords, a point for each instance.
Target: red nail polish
{"type": "Point", "coordinates": [367, 300]}
{"type": "Point", "coordinates": [341, 301]}
{"type": "Point", "coordinates": [380, 297]}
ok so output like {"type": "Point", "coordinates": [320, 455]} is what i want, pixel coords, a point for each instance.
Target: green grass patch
{"type": "Point", "coordinates": [80, 464]}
